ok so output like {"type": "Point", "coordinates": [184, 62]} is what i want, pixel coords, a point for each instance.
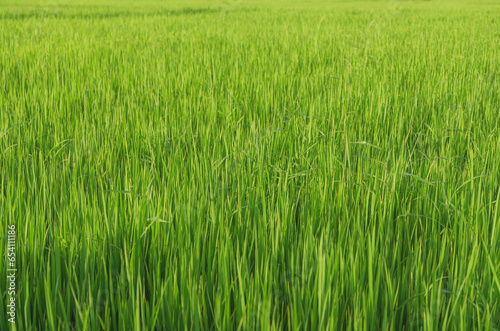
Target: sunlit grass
{"type": "Point", "coordinates": [234, 165]}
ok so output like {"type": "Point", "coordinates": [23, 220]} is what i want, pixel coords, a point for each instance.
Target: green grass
{"type": "Point", "coordinates": [229, 165]}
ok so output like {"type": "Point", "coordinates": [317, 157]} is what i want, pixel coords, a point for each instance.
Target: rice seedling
{"type": "Point", "coordinates": [237, 165]}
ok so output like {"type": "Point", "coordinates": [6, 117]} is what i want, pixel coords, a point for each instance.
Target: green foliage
{"type": "Point", "coordinates": [242, 166]}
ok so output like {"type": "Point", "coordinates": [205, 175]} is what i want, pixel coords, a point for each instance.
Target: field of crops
{"type": "Point", "coordinates": [235, 165]}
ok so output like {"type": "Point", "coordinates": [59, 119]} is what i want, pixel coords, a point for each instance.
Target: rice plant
{"type": "Point", "coordinates": [242, 165]}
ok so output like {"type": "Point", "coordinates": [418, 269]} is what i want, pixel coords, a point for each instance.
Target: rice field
{"type": "Point", "coordinates": [242, 165]}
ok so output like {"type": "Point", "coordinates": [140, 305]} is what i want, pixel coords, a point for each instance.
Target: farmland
{"type": "Point", "coordinates": [235, 165]}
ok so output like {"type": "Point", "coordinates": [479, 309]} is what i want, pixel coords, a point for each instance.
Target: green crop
{"type": "Point", "coordinates": [234, 165]}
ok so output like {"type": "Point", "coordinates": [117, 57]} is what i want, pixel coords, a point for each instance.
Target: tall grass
{"type": "Point", "coordinates": [226, 165]}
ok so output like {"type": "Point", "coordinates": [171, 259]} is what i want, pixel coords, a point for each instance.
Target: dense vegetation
{"type": "Point", "coordinates": [231, 165]}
